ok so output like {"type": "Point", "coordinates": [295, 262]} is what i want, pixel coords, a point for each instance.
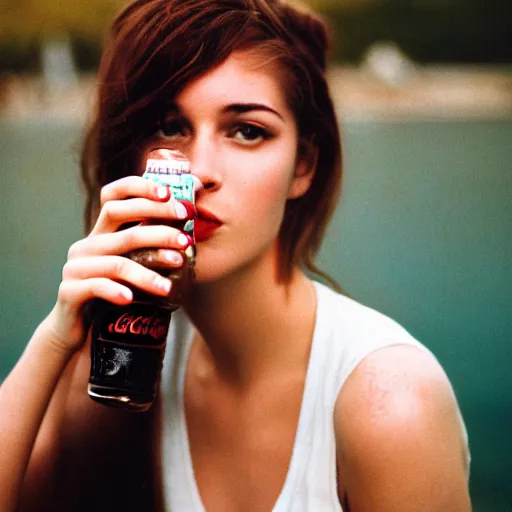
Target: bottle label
{"type": "Point", "coordinates": [181, 185]}
{"type": "Point", "coordinates": [171, 169]}
{"type": "Point", "coordinates": [138, 324]}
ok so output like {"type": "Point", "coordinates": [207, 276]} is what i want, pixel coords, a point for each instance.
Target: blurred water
{"type": "Point", "coordinates": [422, 234]}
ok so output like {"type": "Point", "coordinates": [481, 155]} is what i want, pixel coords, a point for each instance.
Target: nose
{"type": "Point", "coordinates": [203, 164]}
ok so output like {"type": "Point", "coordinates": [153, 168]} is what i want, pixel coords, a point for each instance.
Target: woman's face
{"type": "Point", "coordinates": [235, 126]}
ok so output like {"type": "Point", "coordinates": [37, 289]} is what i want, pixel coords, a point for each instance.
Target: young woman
{"type": "Point", "coordinates": [277, 393]}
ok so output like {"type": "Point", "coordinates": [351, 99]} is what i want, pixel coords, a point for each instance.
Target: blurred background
{"type": "Point", "coordinates": [423, 90]}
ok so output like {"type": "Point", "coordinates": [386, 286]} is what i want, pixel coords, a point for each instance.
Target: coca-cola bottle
{"type": "Point", "coordinates": [128, 342]}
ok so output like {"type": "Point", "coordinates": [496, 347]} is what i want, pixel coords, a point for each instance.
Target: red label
{"type": "Point", "coordinates": [140, 325]}
{"type": "Point", "coordinates": [137, 324]}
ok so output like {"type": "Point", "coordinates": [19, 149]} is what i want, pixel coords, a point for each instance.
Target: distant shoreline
{"type": "Point", "coordinates": [426, 93]}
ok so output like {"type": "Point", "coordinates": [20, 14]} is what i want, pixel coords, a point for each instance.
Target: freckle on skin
{"type": "Point", "coordinates": [388, 394]}
{"type": "Point", "coordinates": [377, 394]}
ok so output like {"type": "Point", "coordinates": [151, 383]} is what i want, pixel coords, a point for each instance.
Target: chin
{"type": "Point", "coordinates": [218, 270]}
{"type": "Point", "coordinates": [202, 278]}
{"type": "Point", "coordinates": [210, 270]}
{"type": "Point", "coordinates": [218, 265]}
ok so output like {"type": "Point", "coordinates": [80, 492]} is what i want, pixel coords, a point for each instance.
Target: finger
{"type": "Point", "coordinates": [123, 270]}
{"type": "Point", "coordinates": [75, 293]}
{"type": "Point", "coordinates": [133, 186]}
{"type": "Point", "coordinates": [157, 259]}
{"type": "Point", "coordinates": [137, 237]}
{"type": "Point", "coordinates": [116, 213]}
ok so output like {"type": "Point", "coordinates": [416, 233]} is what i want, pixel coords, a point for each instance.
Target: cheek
{"type": "Point", "coordinates": [261, 209]}
{"type": "Point", "coordinates": [264, 199]}
{"type": "Point", "coordinates": [265, 177]}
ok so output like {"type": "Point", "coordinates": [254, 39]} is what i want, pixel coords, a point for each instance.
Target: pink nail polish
{"type": "Point", "coordinates": [162, 192]}
{"type": "Point", "coordinates": [185, 240]}
{"type": "Point", "coordinates": [173, 257]}
{"type": "Point", "coordinates": [163, 284]}
{"type": "Point", "coordinates": [127, 294]}
{"type": "Point", "coordinates": [191, 209]}
{"type": "Point", "coordinates": [180, 209]}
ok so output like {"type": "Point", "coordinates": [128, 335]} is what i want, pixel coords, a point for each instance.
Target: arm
{"type": "Point", "coordinates": [31, 428]}
{"type": "Point", "coordinates": [24, 399]}
{"type": "Point", "coordinates": [400, 446]}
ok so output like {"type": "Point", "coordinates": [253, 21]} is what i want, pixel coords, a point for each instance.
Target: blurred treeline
{"type": "Point", "coordinates": [455, 31]}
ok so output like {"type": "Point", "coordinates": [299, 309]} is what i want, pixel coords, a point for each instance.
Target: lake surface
{"type": "Point", "coordinates": [422, 233]}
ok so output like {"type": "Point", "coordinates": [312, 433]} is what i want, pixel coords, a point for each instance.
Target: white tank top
{"type": "Point", "coordinates": [345, 333]}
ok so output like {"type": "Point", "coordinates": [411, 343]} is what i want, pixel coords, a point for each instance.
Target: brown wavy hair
{"type": "Point", "coordinates": [156, 47]}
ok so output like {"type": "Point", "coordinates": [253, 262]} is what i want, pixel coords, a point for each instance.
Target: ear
{"type": "Point", "coordinates": [307, 158]}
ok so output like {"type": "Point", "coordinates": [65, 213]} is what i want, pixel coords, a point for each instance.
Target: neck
{"type": "Point", "coordinates": [252, 324]}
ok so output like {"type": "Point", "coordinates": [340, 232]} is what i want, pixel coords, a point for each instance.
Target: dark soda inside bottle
{"type": "Point", "coordinates": [128, 342]}
{"type": "Point", "coordinates": [128, 353]}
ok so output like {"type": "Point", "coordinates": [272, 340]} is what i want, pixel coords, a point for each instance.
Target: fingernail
{"type": "Point", "coordinates": [173, 257]}
{"type": "Point", "coordinates": [162, 192]}
{"type": "Point", "coordinates": [162, 284]}
{"type": "Point", "coordinates": [191, 208]}
{"type": "Point", "coordinates": [127, 294]}
{"type": "Point", "coordinates": [185, 240]}
{"type": "Point", "coordinates": [181, 210]}
{"type": "Point", "coordinates": [198, 184]}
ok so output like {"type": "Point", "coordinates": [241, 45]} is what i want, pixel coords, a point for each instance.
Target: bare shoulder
{"type": "Point", "coordinates": [400, 438]}
{"type": "Point", "coordinates": [394, 385]}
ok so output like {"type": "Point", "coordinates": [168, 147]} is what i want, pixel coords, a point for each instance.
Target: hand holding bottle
{"type": "Point", "coordinates": [97, 267]}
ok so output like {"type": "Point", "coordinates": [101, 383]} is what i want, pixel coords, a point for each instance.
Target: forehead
{"type": "Point", "coordinates": [242, 78]}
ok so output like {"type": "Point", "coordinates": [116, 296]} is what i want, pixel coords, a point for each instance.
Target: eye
{"type": "Point", "coordinates": [171, 127]}
{"type": "Point", "coordinates": [249, 134]}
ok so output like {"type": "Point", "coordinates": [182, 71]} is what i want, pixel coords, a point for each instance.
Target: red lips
{"type": "Point", "coordinates": [205, 224]}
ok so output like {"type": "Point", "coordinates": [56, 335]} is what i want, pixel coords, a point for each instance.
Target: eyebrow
{"type": "Point", "coordinates": [241, 108]}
